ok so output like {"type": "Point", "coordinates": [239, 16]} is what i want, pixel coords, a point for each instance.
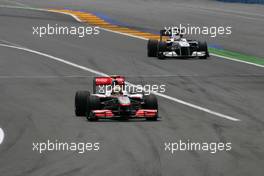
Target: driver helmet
{"type": "Point", "coordinates": [116, 89]}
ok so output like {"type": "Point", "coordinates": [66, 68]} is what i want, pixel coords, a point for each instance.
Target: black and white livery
{"type": "Point", "coordinates": [176, 46]}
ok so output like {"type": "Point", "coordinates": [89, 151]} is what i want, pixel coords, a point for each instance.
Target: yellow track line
{"type": "Point", "coordinates": [96, 21]}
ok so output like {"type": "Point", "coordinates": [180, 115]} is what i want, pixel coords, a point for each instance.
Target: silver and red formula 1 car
{"type": "Point", "coordinates": [114, 102]}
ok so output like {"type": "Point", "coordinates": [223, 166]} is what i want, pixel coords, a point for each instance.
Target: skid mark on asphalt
{"type": "Point", "coordinates": [103, 74]}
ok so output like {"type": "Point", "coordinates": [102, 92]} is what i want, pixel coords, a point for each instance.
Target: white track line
{"type": "Point", "coordinates": [39, 9]}
{"type": "Point", "coordinates": [20, 4]}
{"type": "Point", "coordinates": [65, 13]}
{"type": "Point", "coordinates": [2, 135]}
{"type": "Point", "coordinates": [45, 77]}
{"type": "Point", "coordinates": [232, 59]}
{"type": "Point", "coordinates": [16, 3]}
{"type": "Point", "coordinates": [103, 74]}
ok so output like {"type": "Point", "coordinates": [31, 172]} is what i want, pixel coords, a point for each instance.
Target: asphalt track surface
{"type": "Point", "coordinates": [37, 96]}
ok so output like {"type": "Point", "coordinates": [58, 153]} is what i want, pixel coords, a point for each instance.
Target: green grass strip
{"type": "Point", "coordinates": [238, 56]}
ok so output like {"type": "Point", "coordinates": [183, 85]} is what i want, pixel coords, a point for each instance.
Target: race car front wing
{"type": "Point", "coordinates": [140, 114]}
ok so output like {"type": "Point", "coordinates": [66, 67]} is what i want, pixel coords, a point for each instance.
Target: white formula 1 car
{"type": "Point", "coordinates": [176, 46]}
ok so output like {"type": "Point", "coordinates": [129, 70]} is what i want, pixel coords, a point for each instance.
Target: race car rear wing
{"type": "Point", "coordinates": [165, 33]}
{"type": "Point", "coordinates": [104, 80]}
{"type": "Point", "coordinates": [169, 32]}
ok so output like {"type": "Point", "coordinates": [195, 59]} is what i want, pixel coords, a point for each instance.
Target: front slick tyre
{"type": "Point", "coordinates": [151, 102]}
{"type": "Point", "coordinates": [93, 104]}
{"type": "Point", "coordinates": [81, 98]}
{"type": "Point", "coordinates": [203, 47]}
{"type": "Point", "coordinates": [161, 56]}
{"type": "Point", "coordinates": [91, 117]}
{"type": "Point", "coordinates": [162, 47]}
{"type": "Point", "coordinates": [152, 48]}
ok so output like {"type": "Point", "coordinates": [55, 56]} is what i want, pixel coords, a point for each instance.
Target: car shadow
{"type": "Point", "coordinates": [124, 121]}
{"type": "Point", "coordinates": [183, 58]}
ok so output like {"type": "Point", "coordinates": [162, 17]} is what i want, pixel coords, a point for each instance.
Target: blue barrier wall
{"type": "Point", "coordinates": [245, 1]}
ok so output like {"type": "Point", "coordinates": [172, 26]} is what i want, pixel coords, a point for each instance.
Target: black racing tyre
{"type": "Point", "coordinates": [91, 117]}
{"type": "Point", "coordinates": [202, 46]}
{"type": "Point", "coordinates": [152, 48]}
{"type": "Point", "coordinates": [151, 102]}
{"type": "Point", "coordinates": [93, 103]}
{"type": "Point", "coordinates": [81, 98]}
{"type": "Point", "coordinates": [94, 85]}
{"type": "Point", "coordinates": [161, 56]}
{"type": "Point", "coordinates": [162, 46]}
